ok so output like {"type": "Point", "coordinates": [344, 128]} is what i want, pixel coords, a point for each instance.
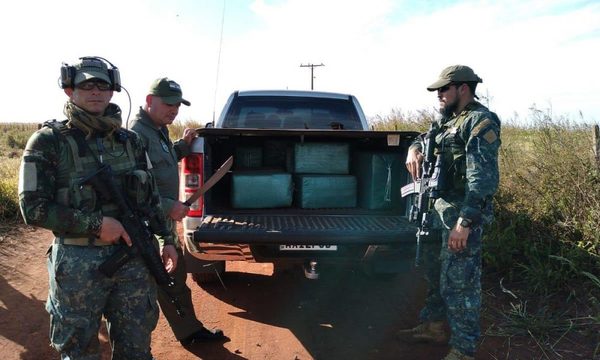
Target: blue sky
{"type": "Point", "coordinates": [385, 52]}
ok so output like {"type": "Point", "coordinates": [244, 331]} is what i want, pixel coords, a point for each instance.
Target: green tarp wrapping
{"type": "Point", "coordinates": [248, 157]}
{"type": "Point", "coordinates": [261, 189]}
{"type": "Point", "coordinates": [319, 158]}
{"type": "Point", "coordinates": [274, 153]}
{"type": "Point", "coordinates": [380, 176]}
{"type": "Point", "coordinates": [325, 191]}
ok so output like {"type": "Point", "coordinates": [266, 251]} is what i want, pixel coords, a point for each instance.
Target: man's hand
{"type": "Point", "coordinates": [188, 135]}
{"type": "Point", "coordinates": [169, 257]}
{"type": "Point", "coordinates": [112, 231]}
{"type": "Point", "coordinates": [414, 159]}
{"type": "Point", "coordinates": [457, 241]}
{"type": "Point", "coordinates": [178, 211]}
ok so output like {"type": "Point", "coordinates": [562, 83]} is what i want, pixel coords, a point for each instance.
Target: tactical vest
{"type": "Point", "coordinates": [452, 147]}
{"type": "Point", "coordinates": [82, 157]}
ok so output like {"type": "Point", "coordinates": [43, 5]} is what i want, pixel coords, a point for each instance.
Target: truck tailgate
{"type": "Point", "coordinates": [305, 229]}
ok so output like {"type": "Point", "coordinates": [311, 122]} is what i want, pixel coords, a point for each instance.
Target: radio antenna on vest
{"type": "Point", "coordinates": [128, 113]}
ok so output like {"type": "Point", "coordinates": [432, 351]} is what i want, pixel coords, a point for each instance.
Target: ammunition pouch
{"type": "Point", "coordinates": [458, 171]}
{"type": "Point", "coordinates": [82, 197]}
{"type": "Point", "coordinates": [138, 187]}
{"type": "Point", "coordinates": [454, 160]}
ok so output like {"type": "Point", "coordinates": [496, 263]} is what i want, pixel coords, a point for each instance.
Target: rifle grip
{"type": "Point", "coordinates": [114, 263]}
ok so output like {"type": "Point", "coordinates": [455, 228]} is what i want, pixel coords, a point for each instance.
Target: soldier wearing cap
{"type": "Point", "coordinates": [160, 110]}
{"type": "Point", "coordinates": [53, 195]}
{"type": "Point", "coordinates": [468, 139]}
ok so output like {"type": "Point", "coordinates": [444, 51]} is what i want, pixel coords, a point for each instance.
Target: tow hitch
{"type": "Point", "coordinates": [310, 270]}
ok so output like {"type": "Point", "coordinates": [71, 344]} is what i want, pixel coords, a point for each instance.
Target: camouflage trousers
{"type": "Point", "coordinates": [454, 289]}
{"type": "Point", "coordinates": [79, 296]}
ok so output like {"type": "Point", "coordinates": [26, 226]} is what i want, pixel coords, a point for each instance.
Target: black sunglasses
{"type": "Point", "coordinates": [89, 85]}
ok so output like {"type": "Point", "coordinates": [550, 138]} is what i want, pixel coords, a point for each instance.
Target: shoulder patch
{"type": "Point", "coordinates": [27, 177]}
{"type": "Point", "coordinates": [490, 136]}
{"type": "Point", "coordinates": [482, 125]}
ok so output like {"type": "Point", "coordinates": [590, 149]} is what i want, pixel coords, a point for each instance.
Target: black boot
{"type": "Point", "coordinates": [203, 335]}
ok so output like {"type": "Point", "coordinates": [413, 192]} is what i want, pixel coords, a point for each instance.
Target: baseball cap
{"type": "Point", "coordinates": [89, 69]}
{"type": "Point", "coordinates": [455, 73]}
{"type": "Point", "coordinates": [168, 90]}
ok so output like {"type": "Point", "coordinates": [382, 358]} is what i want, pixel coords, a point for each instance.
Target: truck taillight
{"type": "Point", "coordinates": [192, 167]}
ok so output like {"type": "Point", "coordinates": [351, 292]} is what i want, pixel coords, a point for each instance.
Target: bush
{"type": "Point", "coordinates": [403, 121]}
{"type": "Point", "coordinates": [550, 191]}
{"type": "Point", "coordinates": [16, 141]}
{"type": "Point", "coordinates": [9, 201]}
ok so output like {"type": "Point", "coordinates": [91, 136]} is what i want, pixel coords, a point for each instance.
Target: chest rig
{"type": "Point", "coordinates": [451, 145]}
{"type": "Point", "coordinates": [81, 157]}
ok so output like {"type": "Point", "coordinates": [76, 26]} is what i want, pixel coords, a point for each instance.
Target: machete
{"type": "Point", "coordinates": [210, 182]}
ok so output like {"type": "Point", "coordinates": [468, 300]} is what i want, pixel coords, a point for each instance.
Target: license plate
{"type": "Point", "coordinates": [308, 247]}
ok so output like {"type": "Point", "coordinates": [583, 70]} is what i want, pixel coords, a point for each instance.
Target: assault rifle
{"type": "Point", "coordinates": [427, 188]}
{"type": "Point", "coordinates": [139, 231]}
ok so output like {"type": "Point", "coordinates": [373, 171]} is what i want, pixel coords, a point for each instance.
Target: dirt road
{"type": "Point", "coordinates": [344, 315]}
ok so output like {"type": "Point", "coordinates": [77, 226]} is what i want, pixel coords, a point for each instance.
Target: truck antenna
{"type": "Point", "coordinates": [218, 62]}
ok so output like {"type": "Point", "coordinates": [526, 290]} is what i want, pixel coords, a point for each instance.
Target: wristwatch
{"type": "Point", "coordinates": [464, 222]}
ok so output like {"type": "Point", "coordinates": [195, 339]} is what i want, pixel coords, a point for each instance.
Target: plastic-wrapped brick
{"type": "Point", "coordinates": [380, 176]}
{"type": "Point", "coordinates": [325, 191]}
{"type": "Point", "coordinates": [259, 190]}
{"type": "Point", "coordinates": [319, 158]}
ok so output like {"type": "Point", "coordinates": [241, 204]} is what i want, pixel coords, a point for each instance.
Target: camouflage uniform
{"type": "Point", "coordinates": [51, 196]}
{"type": "Point", "coordinates": [164, 156]}
{"type": "Point", "coordinates": [469, 143]}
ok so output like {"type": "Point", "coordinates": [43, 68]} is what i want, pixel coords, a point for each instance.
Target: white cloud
{"type": "Point", "coordinates": [385, 52]}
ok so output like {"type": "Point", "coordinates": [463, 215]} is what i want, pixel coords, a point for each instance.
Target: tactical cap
{"type": "Point", "coordinates": [455, 73]}
{"type": "Point", "coordinates": [89, 69]}
{"type": "Point", "coordinates": [168, 90]}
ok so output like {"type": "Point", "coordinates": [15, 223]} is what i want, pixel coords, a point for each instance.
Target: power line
{"type": "Point", "coordinates": [312, 76]}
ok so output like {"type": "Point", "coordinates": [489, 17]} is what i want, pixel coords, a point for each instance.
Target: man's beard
{"type": "Point", "coordinates": [449, 109]}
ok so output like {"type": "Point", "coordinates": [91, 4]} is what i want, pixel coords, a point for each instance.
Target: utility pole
{"type": "Point", "coordinates": [312, 69]}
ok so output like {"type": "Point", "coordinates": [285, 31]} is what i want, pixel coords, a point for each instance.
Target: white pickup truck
{"type": "Point", "coordinates": [310, 184]}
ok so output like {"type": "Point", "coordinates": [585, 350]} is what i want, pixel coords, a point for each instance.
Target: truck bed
{"type": "Point", "coordinates": [225, 224]}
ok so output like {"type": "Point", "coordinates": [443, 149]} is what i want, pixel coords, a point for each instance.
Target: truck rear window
{"type": "Point", "coordinates": [292, 113]}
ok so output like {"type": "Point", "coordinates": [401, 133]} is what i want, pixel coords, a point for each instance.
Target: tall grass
{"type": "Point", "coordinates": [403, 120]}
{"type": "Point", "coordinates": [13, 138]}
{"type": "Point", "coordinates": [550, 194]}
{"type": "Point", "coordinates": [9, 175]}
{"type": "Point", "coordinates": [176, 129]}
